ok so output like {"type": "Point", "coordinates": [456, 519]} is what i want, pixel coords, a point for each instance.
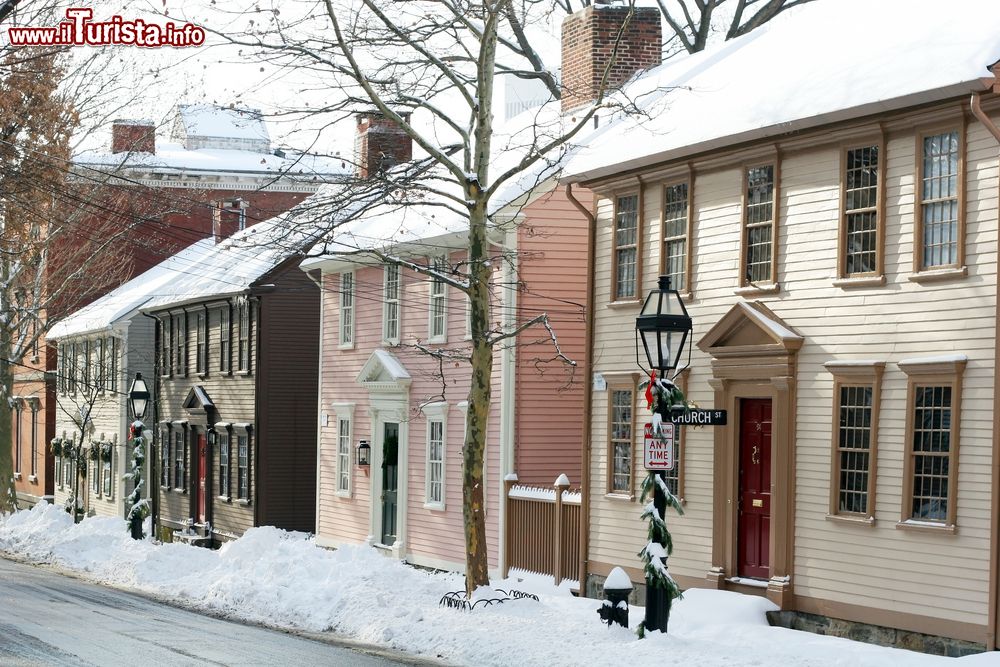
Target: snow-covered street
{"type": "Point", "coordinates": [283, 580]}
{"type": "Point", "coordinates": [53, 619]}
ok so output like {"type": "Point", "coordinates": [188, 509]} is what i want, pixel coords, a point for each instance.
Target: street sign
{"type": "Point", "coordinates": [699, 417]}
{"type": "Point", "coordinates": [658, 452]}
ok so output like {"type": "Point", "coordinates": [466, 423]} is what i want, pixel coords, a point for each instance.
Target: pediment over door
{"type": "Point", "coordinates": [750, 328]}
{"type": "Point", "coordinates": [197, 399]}
{"type": "Point", "coordinates": [384, 372]}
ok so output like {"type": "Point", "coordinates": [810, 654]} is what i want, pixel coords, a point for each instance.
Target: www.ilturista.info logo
{"type": "Point", "coordinates": [80, 30]}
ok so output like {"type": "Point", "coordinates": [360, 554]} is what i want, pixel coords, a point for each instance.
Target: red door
{"type": "Point", "coordinates": [754, 521]}
{"type": "Point", "coordinates": [202, 470]}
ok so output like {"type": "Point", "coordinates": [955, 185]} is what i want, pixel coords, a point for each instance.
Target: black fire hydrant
{"type": "Point", "coordinates": [617, 588]}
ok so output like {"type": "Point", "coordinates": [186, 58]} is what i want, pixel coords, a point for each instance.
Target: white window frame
{"type": "Point", "coordinates": [438, 290]}
{"type": "Point", "coordinates": [346, 326]}
{"type": "Point", "coordinates": [345, 414]}
{"type": "Point", "coordinates": [387, 302]}
{"type": "Point", "coordinates": [436, 412]}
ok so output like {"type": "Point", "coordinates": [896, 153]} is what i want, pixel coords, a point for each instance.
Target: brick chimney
{"type": "Point", "coordinates": [133, 136]}
{"type": "Point", "coordinates": [381, 143]}
{"type": "Point", "coordinates": [588, 39]}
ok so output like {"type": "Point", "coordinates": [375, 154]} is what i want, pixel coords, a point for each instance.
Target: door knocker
{"type": "Point", "coordinates": [754, 455]}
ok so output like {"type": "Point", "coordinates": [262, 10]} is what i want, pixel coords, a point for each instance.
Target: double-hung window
{"type": "Point", "coordinates": [390, 304]}
{"type": "Point", "coordinates": [165, 459]}
{"type": "Point", "coordinates": [34, 438]}
{"type": "Point", "coordinates": [438, 323]}
{"type": "Point", "coordinates": [857, 388]}
{"type": "Point", "coordinates": [621, 418]}
{"type": "Point", "coordinates": [861, 213]}
{"type": "Point", "coordinates": [106, 477]}
{"type": "Point", "coordinates": [180, 459]}
{"type": "Point", "coordinates": [345, 434]}
{"type": "Point", "coordinates": [346, 309]}
{"type": "Point", "coordinates": [676, 217]}
{"type": "Point", "coordinates": [243, 352]}
{"type": "Point", "coordinates": [932, 433]}
{"type": "Point", "coordinates": [434, 487]}
{"type": "Point", "coordinates": [201, 345]}
{"type": "Point", "coordinates": [625, 257]}
{"type": "Point", "coordinates": [940, 240]}
{"type": "Point", "coordinates": [243, 466]}
{"type": "Point", "coordinates": [225, 346]}
{"type": "Point", "coordinates": [112, 351]}
{"type": "Point", "coordinates": [16, 413]}
{"type": "Point", "coordinates": [759, 226]}
{"type": "Point", "coordinates": [100, 367]}
{"type": "Point", "coordinates": [166, 347]}
{"type": "Point", "coordinates": [180, 343]}
{"type": "Point", "coordinates": [225, 468]}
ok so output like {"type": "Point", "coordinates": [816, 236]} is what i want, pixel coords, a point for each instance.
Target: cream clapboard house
{"type": "Point", "coordinates": [827, 203]}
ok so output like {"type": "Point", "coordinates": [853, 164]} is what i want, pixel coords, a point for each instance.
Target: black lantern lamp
{"type": "Point", "coordinates": [364, 453]}
{"type": "Point", "coordinates": [664, 327]}
{"type": "Point", "coordinates": [138, 397]}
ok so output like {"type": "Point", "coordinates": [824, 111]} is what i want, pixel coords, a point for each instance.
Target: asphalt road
{"type": "Point", "coordinates": [47, 618]}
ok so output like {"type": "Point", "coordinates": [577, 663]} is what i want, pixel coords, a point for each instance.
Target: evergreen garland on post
{"type": "Point", "coordinates": [661, 396]}
{"type": "Point", "coordinates": [138, 506]}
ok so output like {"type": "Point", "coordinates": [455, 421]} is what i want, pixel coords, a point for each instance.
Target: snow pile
{"type": "Point", "coordinates": [283, 579]}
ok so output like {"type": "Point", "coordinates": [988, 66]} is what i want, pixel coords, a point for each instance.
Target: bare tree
{"type": "Point", "coordinates": [694, 23]}
{"type": "Point", "coordinates": [61, 245]}
{"type": "Point", "coordinates": [431, 69]}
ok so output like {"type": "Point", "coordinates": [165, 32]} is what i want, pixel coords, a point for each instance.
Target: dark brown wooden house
{"type": "Point", "coordinates": [237, 351]}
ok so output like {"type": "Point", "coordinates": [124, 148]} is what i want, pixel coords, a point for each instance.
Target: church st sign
{"type": "Point", "coordinates": [699, 417]}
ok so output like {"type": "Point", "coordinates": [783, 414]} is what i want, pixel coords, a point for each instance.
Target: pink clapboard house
{"type": "Point", "coordinates": [383, 395]}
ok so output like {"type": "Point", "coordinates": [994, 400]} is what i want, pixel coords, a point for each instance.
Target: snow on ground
{"type": "Point", "coordinates": [283, 579]}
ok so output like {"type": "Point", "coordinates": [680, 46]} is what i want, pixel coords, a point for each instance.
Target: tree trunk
{"type": "Point", "coordinates": [480, 394]}
{"type": "Point", "coordinates": [8, 495]}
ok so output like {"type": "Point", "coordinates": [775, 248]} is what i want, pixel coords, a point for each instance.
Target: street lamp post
{"type": "Point", "coordinates": [663, 327]}
{"type": "Point", "coordinates": [138, 399]}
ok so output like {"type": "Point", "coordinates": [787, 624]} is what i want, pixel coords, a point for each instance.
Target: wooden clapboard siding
{"type": "Point", "coordinates": [433, 536]}
{"type": "Point", "coordinates": [878, 566]}
{"type": "Point", "coordinates": [287, 387]}
{"type": "Point", "coordinates": [552, 251]}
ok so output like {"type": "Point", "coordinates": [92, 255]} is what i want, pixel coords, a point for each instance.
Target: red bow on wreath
{"type": "Point", "coordinates": [649, 390]}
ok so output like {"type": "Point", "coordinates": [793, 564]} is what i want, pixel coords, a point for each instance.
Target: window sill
{"type": "Point", "coordinates": [687, 297]}
{"type": "Point", "coordinates": [33, 479]}
{"type": "Point", "coordinates": [624, 304]}
{"type": "Point", "coordinates": [936, 275]}
{"type": "Point", "coordinates": [620, 496]}
{"type": "Point", "coordinates": [17, 476]}
{"type": "Point", "coordinates": [437, 341]}
{"type": "Point", "coordinates": [176, 490]}
{"type": "Point", "coordinates": [860, 281]}
{"type": "Point", "coordinates": [242, 373]}
{"type": "Point", "coordinates": [757, 290]}
{"type": "Point", "coordinates": [848, 519]}
{"type": "Point", "coordinates": [225, 499]}
{"type": "Point", "coordinates": [202, 375]}
{"type": "Point", "coordinates": [243, 502]}
{"type": "Point", "coordinates": [927, 526]}
{"type": "Point", "coordinates": [346, 346]}
{"type": "Point", "coordinates": [434, 507]}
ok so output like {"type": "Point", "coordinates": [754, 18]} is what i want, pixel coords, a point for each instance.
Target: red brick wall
{"type": "Point", "coordinates": [133, 137]}
{"type": "Point", "coordinates": [588, 40]}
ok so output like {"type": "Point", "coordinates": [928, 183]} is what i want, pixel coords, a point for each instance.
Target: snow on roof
{"type": "Point", "coordinates": [819, 63]}
{"type": "Point", "coordinates": [210, 120]}
{"type": "Point", "coordinates": [412, 214]}
{"type": "Point", "coordinates": [175, 157]}
{"type": "Point", "coordinates": [121, 303]}
{"type": "Point", "coordinates": [234, 264]}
